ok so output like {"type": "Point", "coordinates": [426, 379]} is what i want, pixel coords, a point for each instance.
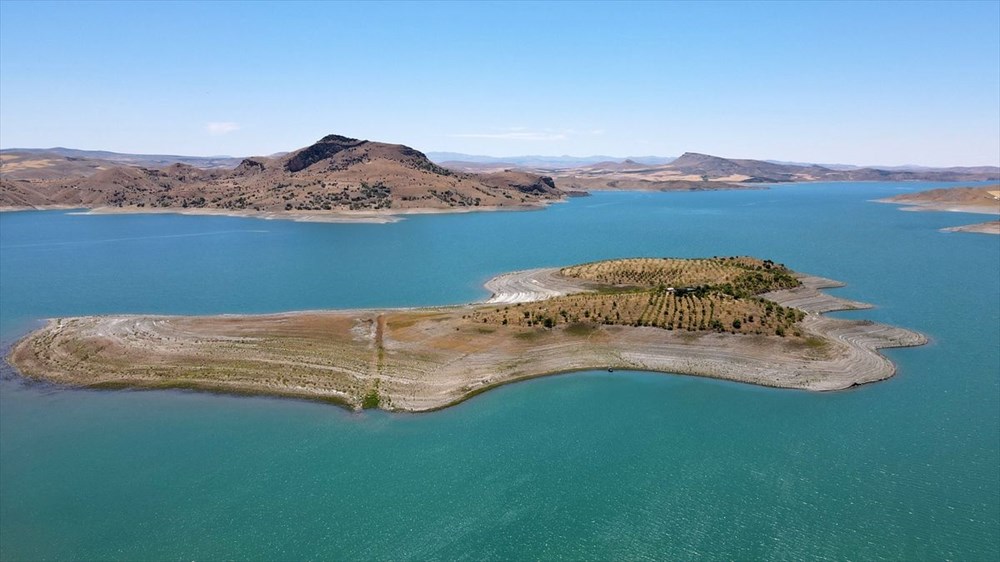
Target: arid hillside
{"type": "Point", "coordinates": [334, 174]}
{"type": "Point", "coordinates": [986, 197]}
{"type": "Point", "coordinates": [340, 174]}
{"type": "Point", "coordinates": [56, 163]}
{"type": "Point", "coordinates": [693, 171]}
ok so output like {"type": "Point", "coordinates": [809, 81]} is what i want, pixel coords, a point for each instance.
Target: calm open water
{"type": "Point", "coordinates": [591, 465]}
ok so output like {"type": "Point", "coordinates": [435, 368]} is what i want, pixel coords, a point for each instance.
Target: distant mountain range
{"type": "Point", "coordinates": [903, 168]}
{"type": "Point", "coordinates": [695, 171]}
{"type": "Point", "coordinates": [341, 173]}
{"type": "Point", "coordinates": [693, 163]}
{"type": "Point", "coordinates": [536, 161]}
{"type": "Point", "coordinates": [103, 156]}
{"type": "Point", "coordinates": [526, 161]}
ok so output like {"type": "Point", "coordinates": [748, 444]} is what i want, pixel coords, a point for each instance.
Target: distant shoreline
{"type": "Point", "coordinates": [940, 207]}
{"type": "Point", "coordinates": [984, 200]}
{"type": "Point", "coordinates": [371, 217]}
{"type": "Point", "coordinates": [395, 215]}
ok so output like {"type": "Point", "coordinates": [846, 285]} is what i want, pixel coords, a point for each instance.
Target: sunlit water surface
{"type": "Point", "coordinates": [590, 465]}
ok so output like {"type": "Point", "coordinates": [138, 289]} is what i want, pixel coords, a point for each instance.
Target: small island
{"type": "Point", "coordinates": [983, 200]}
{"type": "Point", "coordinates": [734, 318]}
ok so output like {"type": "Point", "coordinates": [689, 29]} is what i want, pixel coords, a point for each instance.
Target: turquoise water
{"type": "Point", "coordinates": [592, 465]}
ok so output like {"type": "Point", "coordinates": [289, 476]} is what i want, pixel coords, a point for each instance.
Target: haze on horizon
{"type": "Point", "coordinates": [859, 83]}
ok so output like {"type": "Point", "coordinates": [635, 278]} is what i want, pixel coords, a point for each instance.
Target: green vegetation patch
{"type": "Point", "coordinates": [690, 295]}
{"type": "Point", "coordinates": [738, 276]}
{"type": "Point", "coordinates": [371, 400]}
{"type": "Point", "coordinates": [814, 342]}
{"type": "Point", "coordinates": [530, 335]}
{"type": "Point", "coordinates": [580, 329]}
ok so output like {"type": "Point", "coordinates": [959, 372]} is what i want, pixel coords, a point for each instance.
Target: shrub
{"type": "Point", "coordinates": [371, 400]}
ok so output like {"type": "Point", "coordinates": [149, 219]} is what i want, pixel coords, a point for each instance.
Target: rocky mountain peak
{"type": "Point", "coordinates": [321, 150]}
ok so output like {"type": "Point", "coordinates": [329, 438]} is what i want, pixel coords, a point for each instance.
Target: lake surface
{"type": "Point", "coordinates": [591, 465]}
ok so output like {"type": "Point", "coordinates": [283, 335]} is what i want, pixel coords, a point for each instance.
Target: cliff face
{"type": "Point", "coordinates": [335, 174]}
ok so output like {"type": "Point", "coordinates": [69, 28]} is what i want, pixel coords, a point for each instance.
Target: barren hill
{"type": "Point", "coordinates": [695, 171]}
{"type": "Point", "coordinates": [986, 197]}
{"type": "Point", "coordinates": [692, 163]}
{"type": "Point", "coordinates": [334, 174]}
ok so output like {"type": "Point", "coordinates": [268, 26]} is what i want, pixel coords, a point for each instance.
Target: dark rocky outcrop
{"type": "Point", "coordinates": [250, 166]}
{"type": "Point", "coordinates": [327, 147]}
{"type": "Point", "coordinates": [544, 184]}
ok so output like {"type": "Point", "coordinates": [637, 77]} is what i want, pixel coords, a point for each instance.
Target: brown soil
{"type": "Point", "coordinates": [336, 174]}
{"type": "Point", "coordinates": [984, 199]}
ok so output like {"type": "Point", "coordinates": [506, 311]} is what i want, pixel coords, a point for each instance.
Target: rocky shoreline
{"type": "Point", "coordinates": [375, 217]}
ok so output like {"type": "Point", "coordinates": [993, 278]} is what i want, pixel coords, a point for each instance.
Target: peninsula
{"type": "Point", "coordinates": [737, 318]}
{"type": "Point", "coordinates": [983, 200]}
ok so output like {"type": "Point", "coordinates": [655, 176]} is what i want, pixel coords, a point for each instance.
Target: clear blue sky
{"type": "Point", "coordinates": [862, 83]}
